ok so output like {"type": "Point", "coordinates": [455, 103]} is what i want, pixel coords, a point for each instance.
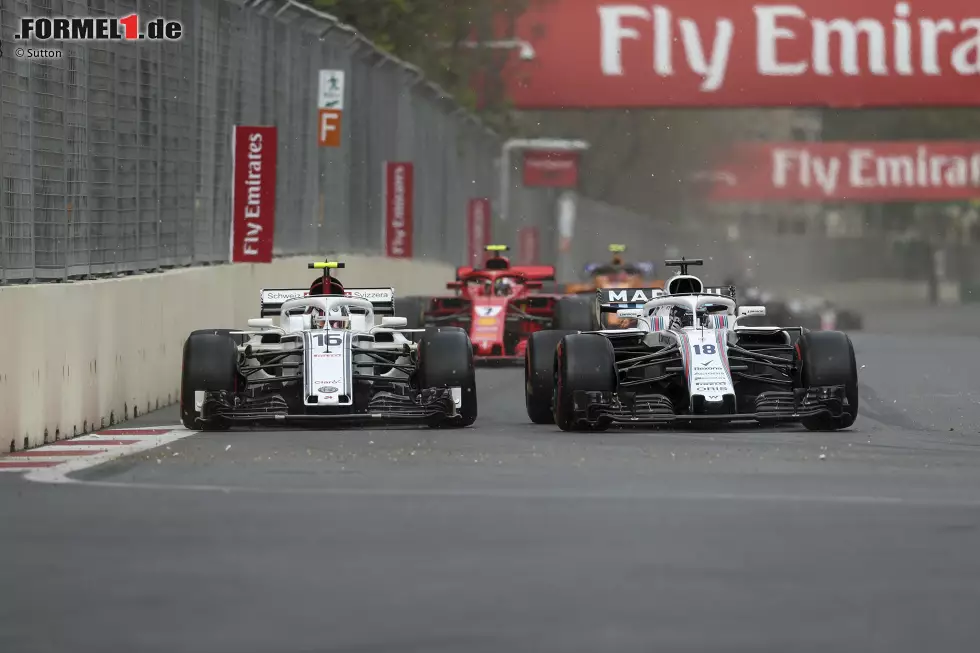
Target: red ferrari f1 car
{"type": "Point", "coordinates": [500, 306]}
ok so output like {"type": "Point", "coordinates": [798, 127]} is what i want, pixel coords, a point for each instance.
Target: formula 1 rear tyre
{"type": "Point", "coordinates": [413, 310]}
{"type": "Point", "coordinates": [575, 314]}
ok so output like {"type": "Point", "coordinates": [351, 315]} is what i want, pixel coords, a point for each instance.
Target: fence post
{"type": "Point", "coordinates": [139, 122]}
{"type": "Point", "coordinates": [66, 193]}
{"type": "Point", "coordinates": [158, 159]}
{"type": "Point", "coordinates": [115, 160]}
{"type": "Point", "coordinates": [30, 174]}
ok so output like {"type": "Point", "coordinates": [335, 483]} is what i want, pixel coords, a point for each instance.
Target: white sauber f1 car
{"type": "Point", "coordinates": [340, 357]}
{"type": "Point", "coordinates": [688, 360]}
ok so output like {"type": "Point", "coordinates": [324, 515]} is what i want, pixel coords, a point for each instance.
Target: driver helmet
{"type": "Point", "coordinates": [503, 287]}
{"type": "Point", "coordinates": [332, 287]}
{"type": "Point", "coordinates": [339, 317]}
{"type": "Point", "coordinates": [318, 317]}
{"type": "Point", "coordinates": [681, 316]}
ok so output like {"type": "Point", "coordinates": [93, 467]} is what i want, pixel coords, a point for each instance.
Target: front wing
{"type": "Point", "coordinates": [632, 409]}
{"type": "Point", "coordinates": [395, 405]}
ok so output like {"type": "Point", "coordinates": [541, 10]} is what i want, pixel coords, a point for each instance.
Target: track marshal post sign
{"type": "Point", "coordinates": [330, 108]}
{"type": "Point", "coordinates": [253, 221]}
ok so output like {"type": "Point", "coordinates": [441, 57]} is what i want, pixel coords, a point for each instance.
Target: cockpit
{"type": "Point", "coordinates": [336, 313]}
{"type": "Point", "coordinates": [686, 303]}
{"type": "Point", "coordinates": [487, 286]}
{"type": "Point", "coordinates": [684, 315]}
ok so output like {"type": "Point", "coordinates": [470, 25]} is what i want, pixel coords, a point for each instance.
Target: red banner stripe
{"type": "Point", "coordinates": [848, 171]}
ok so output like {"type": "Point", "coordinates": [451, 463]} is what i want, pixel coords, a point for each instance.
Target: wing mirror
{"type": "Point", "coordinates": [394, 322]}
{"type": "Point", "coordinates": [454, 285]}
{"type": "Point", "coordinates": [747, 311]}
{"type": "Point", "coordinates": [629, 313]}
{"type": "Point", "coordinates": [261, 323]}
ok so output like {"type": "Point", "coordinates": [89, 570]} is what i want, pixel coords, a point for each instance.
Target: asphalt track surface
{"type": "Point", "coordinates": [509, 537]}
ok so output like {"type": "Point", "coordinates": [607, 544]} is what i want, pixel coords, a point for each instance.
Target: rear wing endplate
{"type": "Point", "coordinates": [610, 300]}
{"type": "Point", "coordinates": [272, 299]}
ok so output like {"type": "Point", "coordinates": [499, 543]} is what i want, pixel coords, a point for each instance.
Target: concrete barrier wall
{"type": "Point", "coordinates": [79, 356]}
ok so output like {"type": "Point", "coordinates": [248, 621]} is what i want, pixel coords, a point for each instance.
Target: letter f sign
{"type": "Point", "coordinates": [328, 128]}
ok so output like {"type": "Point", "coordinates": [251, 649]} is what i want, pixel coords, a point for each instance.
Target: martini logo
{"type": "Point", "coordinates": [632, 296]}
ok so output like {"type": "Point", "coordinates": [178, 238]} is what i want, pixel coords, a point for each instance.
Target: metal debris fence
{"type": "Point", "coordinates": [115, 157]}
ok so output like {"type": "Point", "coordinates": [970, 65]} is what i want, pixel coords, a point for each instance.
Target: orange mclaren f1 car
{"type": "Point", "coordinates": [615, 274]}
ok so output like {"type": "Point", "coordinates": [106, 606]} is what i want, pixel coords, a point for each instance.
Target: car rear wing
{"type": "Point", "coordinates": [610, 300]}
{"type": "Point", "coordinates": [530, 272]}
{"type": "Point", "coordinates": [272, 299]}
{"type": "Point", "coordinates": [646, 268]}
{"type": "Point", "coordinates": [536, 272]}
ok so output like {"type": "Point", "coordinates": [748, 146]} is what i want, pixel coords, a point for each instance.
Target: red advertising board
{"type": "Point", "coordinates": [549, 169]}
{"type": "Point", "coordinates": [253, 221]}
{"type": "Point", "coordinates": [399, 198]}
{"type": "Point", "coordinates": [849, 171]}
{"type": "Point", "coordinates": [528, 250]}
{"type": "Point", "coordinates": [727, 53]}
{"type": "Point", "coordinates": [478, 223]}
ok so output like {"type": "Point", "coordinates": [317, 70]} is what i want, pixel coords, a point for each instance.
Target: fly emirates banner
{"type": "Point", "coordinates": [730, 53]}
{"type": "Point", "coordinates": [849, 171]}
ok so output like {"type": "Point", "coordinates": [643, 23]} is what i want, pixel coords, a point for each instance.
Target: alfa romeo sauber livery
{"type": "Point", "coordinates": [689, 360]}
{"type": "Point", "coordinates": [327, 354]}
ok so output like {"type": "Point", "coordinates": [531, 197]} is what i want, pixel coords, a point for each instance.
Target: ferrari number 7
{"type": "Point", "coordinates": [322, 340]}
{"type": "Point", "coordinates": [707, 350]}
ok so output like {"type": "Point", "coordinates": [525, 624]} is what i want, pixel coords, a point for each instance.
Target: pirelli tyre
{"type": "Point", "coordinates": [539, 374]}
{"type": "Point", "coordinates": [828, 359]}
{"type": "Point", "coordinates": [210, 363]}
{"type": "Point", "coordinates": [575, 313]}
{"type": "Point", "coordinates": [583, 361]}
{"type": "Point", "coordinates": [413, 310]}
{"type": "Point", "coordinates": [446, 361]}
